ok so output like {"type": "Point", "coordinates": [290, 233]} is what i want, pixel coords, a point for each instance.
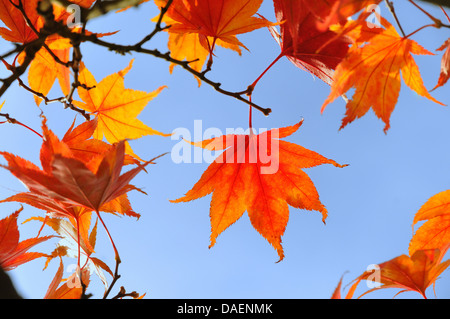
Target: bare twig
{"type": "Point", "coordinates": [122, 49]}
{"type": "Point", "coordinates": [158, 27]}
{"type": "Point", "coordinates": [122, 293]}
{"type": "Point", "coordinates": [444, 3]}
{"type": "Point", "coordinates": [390, 6]}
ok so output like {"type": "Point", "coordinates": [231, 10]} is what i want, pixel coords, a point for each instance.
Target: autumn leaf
{"type": "Point", "coordinates": [17, 29]}
{"type": "Point", "coordinates": [71, 288]}
{"type": "Point", "coordinates": [435, 232]}
{"type": "Point", "coordinates": [336, 11]}
{"type": "Point", "coordinates": [75, 246]}
{"type": "Point", "coordinates": [187, 46]}
{"type": "Point", "coordinates": [415, 273]}
{"type": "Point", "coordinates": [305, 44]}
{"type": "Point", "coordinates": [373, 69]}
{"type": "Point", "coordinates": [87, 149]}
{"type": "Point", "coordinates": [259, 174]}
{"type": "Point", "coordinates": [115, 107]}
{"type": "Point", "coordinates": [12, 252]}
{"type": "Point", "coordinates": [44, 70]}
{"type": "Point", "coordinates": [66, 184]}
{"type": "Point", "coordinates": [218, 19]}
{"type": "Point", "coordinates": [337, 293]}
{"type": "Point", "coordinates": [445, 65]}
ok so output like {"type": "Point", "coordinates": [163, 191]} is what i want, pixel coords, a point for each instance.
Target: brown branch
{"type": "Point", "coordinates": [158, 27]}
{"type": "Point", "coordinates": [390, 6]}
{"type": "Point", "coordinates": [52, 27]}
{"type": "Point", "coordinates": [122, 293]}
{"type": "Point", "coordinates": [444, 3]}
{"type": "Point", "coordinates": [123, 49]}
{"type": "Point", "coordinates": [62, 99]}
{"type": "Point", "coordinates": [30, 51]}
{"type": "Point", "coordinates": [115, 278]}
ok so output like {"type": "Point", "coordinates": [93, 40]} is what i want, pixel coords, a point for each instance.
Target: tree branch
{"type": "Point", "coordinates": [444, 3]}
{"type": "Point", "coordinates": [123, 49]}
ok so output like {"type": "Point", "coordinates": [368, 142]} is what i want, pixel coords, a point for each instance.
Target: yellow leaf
{"type": "Point", "coordinates": [115, 107]}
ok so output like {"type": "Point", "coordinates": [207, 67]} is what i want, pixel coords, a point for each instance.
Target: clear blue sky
{"type": "Point", "coordinates": [165, 254]}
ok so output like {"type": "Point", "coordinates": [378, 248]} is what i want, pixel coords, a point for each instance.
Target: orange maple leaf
{"type": "Point", "coordinates": [305, 44]}
{"type": "Point", "coordinates": [445, 64]}
{"type": "Point", "coordinates": [331, 12]}
{"type": "Point", "coordinates": [215, 20]}
{"type": "Point", "coordinates": [373, 69]}
{"type": "Point", "coordinates": [337, 293]}
{"type": "Point", "coordinates": [115, 107]}
{"type": "Point", "coordinates": [415, 273]}
{"type": "Point", "coordinates": [261, 175]}
{"type": "Point", "coordinates": [12, 252]}
{"type": "Point", "coordinates": [71, 288]}
{"type": "Point", "coordinates": [67, 184]}
{"type": "Point", "coordinates": [435, 232]}
{"type": "Point", "coordinates": [44, 70]}
{"type": "Point", "coordinates": [74, 246]}
{"type": "Point", "coordinates": [17, 29]}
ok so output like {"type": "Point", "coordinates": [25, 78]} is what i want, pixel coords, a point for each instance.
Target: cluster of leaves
{"type": "Point", "coordinates": [81, 175]}
{"type": "Point", "coordinates": [424, 263]}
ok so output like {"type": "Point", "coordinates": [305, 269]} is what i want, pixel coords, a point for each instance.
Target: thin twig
{"type": "Point", "coordinates": [122, 293]}
{"type": "Point", "coordinates": [47, 101]}
{"type": "Point", "coordinates": [390, 5]}
{"type": "Point", "coordinates": [158, 28]}
{"type": "Point", "coordinates": [438, 23]}
{"type": "Point", "coordinates": [122, 49]}
{"type": "Point", "coordinates": [12, 120]}
{"type": "Point", "coordinates": [115, 278]}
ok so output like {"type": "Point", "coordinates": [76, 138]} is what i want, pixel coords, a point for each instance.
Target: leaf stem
{"type": "Point", "coordinates": [445, 13]}
{"type": "Point", "coordinates": [117, 257]}
{"type": "Point", "coordinates": [267, 69]}
{"type": "Point", "coordinates": [14, 121]}
{"type": "Point", "coordinates": [421, 28]}
{"type": "Point", "coordinates": [438, 23]}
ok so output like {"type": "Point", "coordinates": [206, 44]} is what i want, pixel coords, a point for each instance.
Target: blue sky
{"type": "Point", "coordinates": [371, 203]}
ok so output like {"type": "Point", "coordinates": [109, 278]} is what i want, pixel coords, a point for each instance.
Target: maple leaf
{"type": "Point", "coordinates": [435, 232]}
{"type": "Point", "coordinates": [72, 246]}
{"type": "Point", "coordinates": [261, 175]}
{"type": "Point", "coordinates": [114, 106]}
{"type": "Point", "coordinates": [12, 252]}
{"type": "Point", "coordinates": [337, 294]}
{"type": "Point", "coordinates": [87, 149]}
{"type": "Point", "coordinates": [44, 70]}
{"type": "Point", "coordinates": [17, 29]}
{"type": "Point", "coordinates": [68, 185]}
{"type": "Point", "coordinates": [185, 46]}
{"type": "Point", "coordinates": [215, 20]}
{"type": "Point", "coordinates": [445, 65]}
{"type": "Point", "coordinates": [415, 273]}
{"type": "Point", "coordinates": [331, 12]}
{"type": "Point", "coordinates": [188, 46]}
{"type": "Point", "coordinates": [71, 289]}
{"type": "Point", "coordinates": [305, 44]}
{"type": "Point", "coordinates": [373, 68]}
